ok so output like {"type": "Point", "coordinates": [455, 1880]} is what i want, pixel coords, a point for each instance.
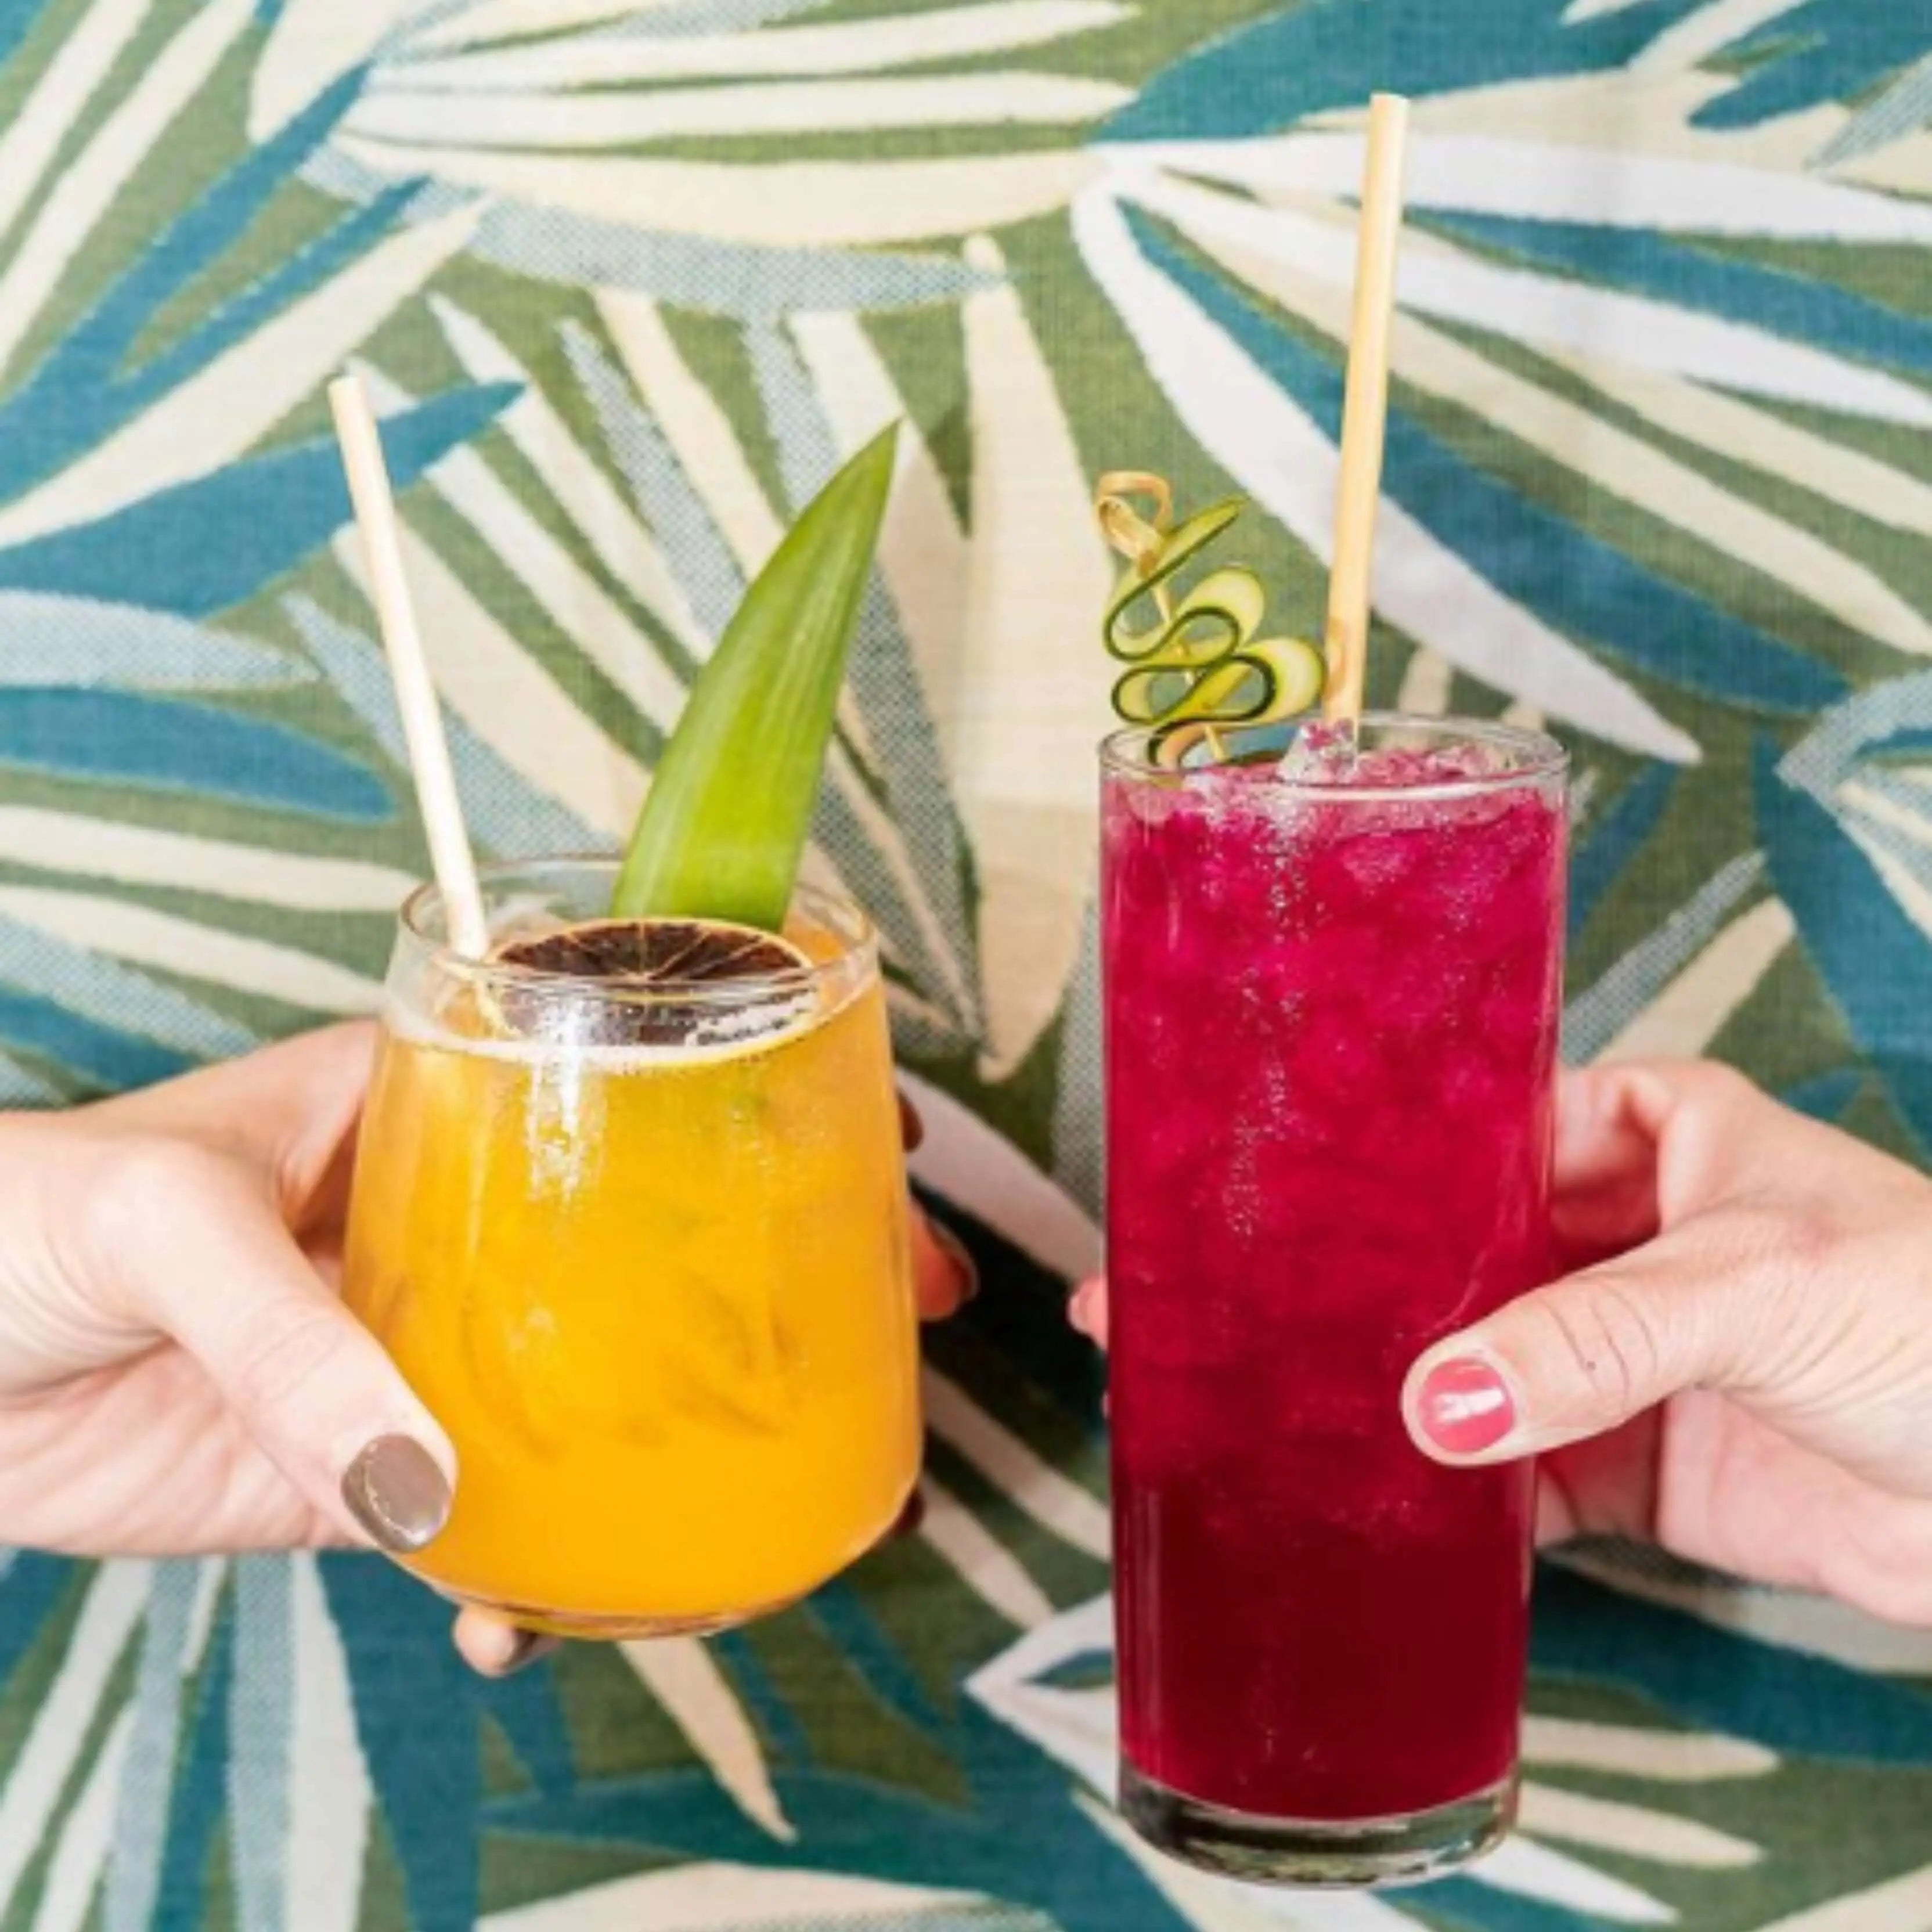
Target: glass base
{"type": "Point", "coordinates": [1326, 1852]}
{"type": "Point", "coordinates": [617, 1627]}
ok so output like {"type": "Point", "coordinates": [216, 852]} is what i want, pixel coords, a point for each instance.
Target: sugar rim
{"type": "Point", "coordinates": [1540, 759]}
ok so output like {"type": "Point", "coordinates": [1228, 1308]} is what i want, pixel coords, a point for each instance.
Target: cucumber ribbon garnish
{"type": "Point", "coordinates": [1196, 664]}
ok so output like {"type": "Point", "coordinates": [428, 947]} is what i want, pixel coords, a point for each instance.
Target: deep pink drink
{"type": "Point", "coordinates": [1331, 1027]}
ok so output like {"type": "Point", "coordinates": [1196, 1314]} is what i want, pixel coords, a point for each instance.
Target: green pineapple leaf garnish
{"type": "Point", "coordinates": [723, 827]}
{"type": "Point", "coordinates": [1195, 663]}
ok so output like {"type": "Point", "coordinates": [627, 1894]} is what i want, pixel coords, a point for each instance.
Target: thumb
{"type": "Point", "coordinates": [1576, 1359]}
{"type": "Point", "coordinates": [201, 1253]}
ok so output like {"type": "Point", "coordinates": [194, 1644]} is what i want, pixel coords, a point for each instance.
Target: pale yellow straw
{"type": "Point", "coordinates": [1365, 409]}
{"type": "Point", "coordinates": [369, 490]}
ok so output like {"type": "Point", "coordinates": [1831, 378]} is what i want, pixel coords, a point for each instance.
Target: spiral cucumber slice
{"type": "Point", "coordinates": [1194, 661]}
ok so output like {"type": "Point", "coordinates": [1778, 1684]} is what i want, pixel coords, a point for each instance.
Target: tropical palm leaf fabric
{"type": "Point", "coordinates": [628, 278]}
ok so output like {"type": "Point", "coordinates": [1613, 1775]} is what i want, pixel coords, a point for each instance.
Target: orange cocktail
{"type": "Point", "coordinates": [630, 1214]}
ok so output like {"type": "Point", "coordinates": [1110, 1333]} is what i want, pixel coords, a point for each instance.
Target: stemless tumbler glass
{"type": "Point", "coordinates": [1332, 996]}
{"type": "Point", "coordinates": [641, 1247]}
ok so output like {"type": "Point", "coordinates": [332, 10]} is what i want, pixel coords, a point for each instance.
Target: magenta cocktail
{"type": "Point", "coordinates": [1331, 1027]}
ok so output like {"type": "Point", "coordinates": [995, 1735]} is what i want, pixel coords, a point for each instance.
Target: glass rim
{"type": "Point", "coordinates": [1123, 755]}
{"type": "Point", "coordinates": [837, 914]}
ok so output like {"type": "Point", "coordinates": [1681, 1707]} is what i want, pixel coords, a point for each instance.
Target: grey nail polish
{"type": "Point", "coordinates": [957, 1252]}
{"type": "Point", "coordinates": [395, 1491]}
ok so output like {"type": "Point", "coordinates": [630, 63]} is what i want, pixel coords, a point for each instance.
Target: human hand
{"type": "Point", "coordinates": [177, 1374]}
{"type": "Point", "coordinates": [1741, 1370]}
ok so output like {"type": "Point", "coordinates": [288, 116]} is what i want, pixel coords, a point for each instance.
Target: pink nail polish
{"type": "Point", "coordinates": [1464, 1406]}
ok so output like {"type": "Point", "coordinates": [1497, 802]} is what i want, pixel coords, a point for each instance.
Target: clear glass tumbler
{"type": "Point", "coordinates": [1331, 1015]}
{"type": "Point", "coordinates": [640, 1242]}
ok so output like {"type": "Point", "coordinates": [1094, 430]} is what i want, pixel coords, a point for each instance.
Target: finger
{"type": "Point", "coordinates": [493, 1647]}
{"type": "Point", "coordinates": [1603, 1197]}
{"type": "Point", "coordinates": [1086, 1309]}
{"type": "Point", "coordinates": [192, 1243]}
{"type": "Point", "coordinates": [290, 1110]}
{"type": "Point", "coordinates": [945, 1275]}
{"type": "Point", "coordinates": [1580, 1359]}
{"type": "Point", "coordinates": [1606, 1487]}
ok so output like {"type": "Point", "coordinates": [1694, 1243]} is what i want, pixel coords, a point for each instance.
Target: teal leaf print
{"type": "Point", "coordinates": [147, 1791]}
{"type": "Point", "coordinates": [274, 511]}
{"type": "Point", "coordinates": [1873, 956]}
{"type": "Point", "coordinates": [82, 389]}
{"type": "Point", "coordinates": [1825, 1095]}
{"type": "Point", "coordinates": [527, 1708]}
{"type": "Point", "coordinates": [1605, 302]}
{"type": "Point", "coordinates": [1807, 1706]}
{"type": "Point", "coordinates": [712, 580]}
{"type": "Point", "coordinates": [119, 737]}
{"type": "Point", "coordinates": [1823, 50]}
{"type": "Point", "coordinates": [1335, 53]}
{"type": "Point", "coordinates": [1900, 109]}
{"type": "Point", "coordinates": [1024, 1841]}
{"type": "Point", "coordinates": [505, 813]}
{"type": "Point", "coordinates": [15, 17]}
{"type": "Point", "coordinates": [21, 1087]}
{"type": "Point", "coordinates": [94, 988]}
{"type": "Point", "coordinates": [104, 1056]}
{"type": "Point", "coordinates": [194, 1817]}
{"type": "Point", "coordinates": [745, 281]}
{"type": "Point", "coordinates": [403, 1668]}
{"type": "Point", "coordinates": [1573, 580]}
{"type": "Point", "coordinates": [260, 1739]}
{"type": "Point", "coordinates": [84, 640]}
{"type": "Point", "coordinates": [1619, 832]}
{"type": "Point", "coordinates": [1785, 303]}
{"type": "Point", "coordinates": [1597, 1015]}
{"type": "Point", "coordinates": [692, 17]}
{"type": "Point", "coordinates": [1467, 1906]}
{"type": "Point", "coordinates": [903, 744]}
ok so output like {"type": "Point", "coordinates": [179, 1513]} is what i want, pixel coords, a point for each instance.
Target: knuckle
{"type": "Point", "coordinates": [281, 1350]}
{"type": "Point", "coordinates": [142, 1188]}
{"type": "Point", "coordinates": [1775, 1245]}
{"type": "Point", "coordinates": [1706, 1086]}
{"type": "Point", "coordinates": [1886, 1569]}
{"type": "Point", "coordinates": [1603, 1347]}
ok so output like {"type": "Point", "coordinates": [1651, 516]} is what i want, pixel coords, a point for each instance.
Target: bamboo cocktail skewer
{"type": "Point", "coordinates": [467, 933]}
{"type": "Point", "coordinates": [1364, 410]}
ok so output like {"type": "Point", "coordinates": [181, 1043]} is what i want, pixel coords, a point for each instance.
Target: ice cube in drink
{"type": "Point", "coordinates": [1331, 1010]}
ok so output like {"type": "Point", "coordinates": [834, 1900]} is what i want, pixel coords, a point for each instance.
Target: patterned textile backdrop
{"type": "Point", "coordinates": [627, 275]}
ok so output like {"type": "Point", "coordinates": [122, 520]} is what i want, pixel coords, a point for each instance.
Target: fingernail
{"type": "Point", "coordinates": [1464, 1406]}
{"type": "Point", "coordinates": [912, 1129]}
{"type": "Point", "coordinates": [966, 1270]}
{"type": "Point", "coordinates": [1080, 1308]}
{"type": "Point", "coordinates": [395, 1491]}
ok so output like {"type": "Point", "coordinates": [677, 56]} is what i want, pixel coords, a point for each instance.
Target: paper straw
{"type": "Point", "coordinates": [455, 870]}
{"type": "Point", "coordinates": [1365, 409]}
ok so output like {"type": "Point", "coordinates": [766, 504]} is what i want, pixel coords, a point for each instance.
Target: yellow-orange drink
{"type": "Point", "coordinates": [639, 1243]}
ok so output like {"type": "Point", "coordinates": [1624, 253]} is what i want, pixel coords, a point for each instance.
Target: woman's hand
{"type": "Point", "coordinates": [1741, 1370]}
{"type": "Point", "coordinates": [177, 1374]}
